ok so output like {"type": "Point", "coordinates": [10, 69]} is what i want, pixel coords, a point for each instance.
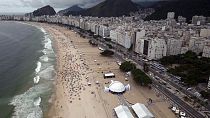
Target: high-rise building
{"type": "Point", "coordinates": [198, 20]}
{"type": "Point", "coordinates": [170, 15]}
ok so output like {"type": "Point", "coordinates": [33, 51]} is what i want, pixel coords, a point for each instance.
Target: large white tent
{"type": "Point", "coordinates": [123, 112]}
{"type": "Point", "coordinates": [116, 87]}
{"type": "Point", "coordinates": [142, 111]}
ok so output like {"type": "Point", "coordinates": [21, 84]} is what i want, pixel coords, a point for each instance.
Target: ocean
{"type": "Point", "coordinates": [27, 71]}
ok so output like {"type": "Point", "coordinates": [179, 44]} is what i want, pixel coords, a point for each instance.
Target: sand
{"type": "Point", "coordinates": [74, 98]}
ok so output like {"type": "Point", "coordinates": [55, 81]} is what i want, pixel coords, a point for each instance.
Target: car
{"type": "Point", "coordinates": [189, 89]}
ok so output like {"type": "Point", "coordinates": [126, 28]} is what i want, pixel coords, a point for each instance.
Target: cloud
{"type": "Point", "coordinates": [64, 3]}
{"type": "Point", "coordinates": [30, 5]}
{"type": "Point", "coordinates": [59, 3]}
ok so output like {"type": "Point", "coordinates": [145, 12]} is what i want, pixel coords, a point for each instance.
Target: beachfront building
{"type": "Point", "coordinates": [121, 36]}
{"type": "Point", "coordinates": [151, 48]}
{"type": "Point", "coordinates": [104, 31]}
{"type": "Point", "coordinates": [174, 46]}
{"type": "Point", "coordinates": [139, 41]}
{"type": "Point", "coordinates": [141, 111]}
{"type": "Point", "coordinates": [123, 112]}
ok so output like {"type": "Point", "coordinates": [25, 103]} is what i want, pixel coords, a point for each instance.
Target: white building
{"type": "Point", "coordinates": [205, 33]}
{"type": "Point", "coordinates": [170, 15]}
{"type": "Point", "coordinates": [121, 37]}
{"type": "Point", "coordinates": [197, 44]}
{"type": "Point", "coordinates": [155, 48]}
{"type": "Point", "coordinates": [206, 51]}
{"type": "Point", "coordinates": [113, 35]}
{"type": "Point", "coordinates": [198, 20]}
{"type": "Point", "coordinates": [184, 49]}
{"type": "Point", "coordinates": [174, 46]}
{"type": "Point", "coordinates": [139, 41]}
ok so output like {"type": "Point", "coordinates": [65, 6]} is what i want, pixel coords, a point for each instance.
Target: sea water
{"type": "Point", "coordinates": [26, 70]}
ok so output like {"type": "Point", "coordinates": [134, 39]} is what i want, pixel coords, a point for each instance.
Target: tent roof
{"type": "Point", "coordinates": [116, 86]}
{"type": "Point", "coordinates": [109, 74]}
{"type": "Point", "coordinates": [142, 111]}
{"type": "Point", "coordinates": [123, 112]}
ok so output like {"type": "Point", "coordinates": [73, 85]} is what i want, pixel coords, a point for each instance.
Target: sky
{"type": "Point", "coordinates": [25, 6]}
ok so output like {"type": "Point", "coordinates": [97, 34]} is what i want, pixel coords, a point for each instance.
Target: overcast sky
{"type": "Point", "coordinates": [24, 6]}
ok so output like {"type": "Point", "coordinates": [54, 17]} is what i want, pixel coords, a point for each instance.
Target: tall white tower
{"type": "Point", "coordinates": [208, 87]}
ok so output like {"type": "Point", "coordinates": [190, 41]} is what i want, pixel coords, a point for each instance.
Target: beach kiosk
{"type": "Point", "coordinates": [109, 75]}
{"type": "Point", "coordinates": [141, 111]}
{"type": "Point", "coordinates": [123, 112]}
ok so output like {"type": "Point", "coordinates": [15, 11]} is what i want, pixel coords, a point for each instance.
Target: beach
{"type": "Point", "coordinates": [79, 63]}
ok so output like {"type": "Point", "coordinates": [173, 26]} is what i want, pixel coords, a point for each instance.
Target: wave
{"type": "Point", "coordinates": [44, 58]}
{"type": "Point", "coordinates": [37, 101]}
{"type": "Point", "coordinates": [36, 79]}
{"type": "Point", "coordinates": [26, 105]}
{"type": "Point", "coordinates": [38, 68]}
{"type": "Point", "coordinates": [48, 44]}
{"type": "Point", "coordinates": [48, 73]}
{"type": "Point", "coordinates": [43, 30]}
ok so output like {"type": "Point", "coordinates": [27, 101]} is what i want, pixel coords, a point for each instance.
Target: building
{"type": "Point", "coordinates": [198, 20]}
{"type": "Point", "coordinates": [181, 19]}
{"type": "Point", "coordinates": [173, 46]}
{"type": "Point", "coordinates": [206, 51]}
{"type": "Point", "coordinates": [170, 15]}
{"type": "Point", "coordinates": [197, 44]}
{"type": "Point", "coordinates": [205, 33]}
{"type": "Point", "coordinates": [155, 48]}
{"type": "Point", "coordinates": [208, 87]}
{"type": "Point", "coordinates": [138, 41]}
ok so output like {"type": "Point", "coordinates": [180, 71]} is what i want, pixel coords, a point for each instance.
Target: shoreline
{"type": "Point", "coordinates": [75, 68]}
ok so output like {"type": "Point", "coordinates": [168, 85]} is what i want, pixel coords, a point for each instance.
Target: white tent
{"type": "Point", "coordinates": [109, 75]}
{"type": "Point", "coordinates": [123, 112]}
{"type": "Point", "coordinates": [116, 87]}
{"type": "Point", "coordinates": [142, 111]}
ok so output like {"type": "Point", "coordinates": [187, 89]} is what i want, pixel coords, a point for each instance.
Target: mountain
{"type": "Point", "coordinates": [111, 8]}
{"type": "Point", "coordinates": [185, 8]}
{"type": "Point", "coordinates": [46, 10]}
{"type": "Point", "coordinates": [146, 4]}
{"type": "Point", "coordinates": [71, 10]}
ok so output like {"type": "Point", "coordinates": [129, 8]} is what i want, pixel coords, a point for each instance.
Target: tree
{"type": "Point", "coordinates": [107, 53]}
{"type": "Point", "coordinates": [192, 69]}
{"type": "Point", "coordinates": [110, 46]}
{"type": "Point", "coordinates": [146, 67]}
{"type": "Point", "coordinates": [204, 94]}
{"type": "Point", "coordinates": [107, 39]}
{"type": "Point", "coordinates": [140, 77]}
{"type": "Point", "coordinates": [93, 43]}
{"type": "Point", "coordinates": [127, 66]}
